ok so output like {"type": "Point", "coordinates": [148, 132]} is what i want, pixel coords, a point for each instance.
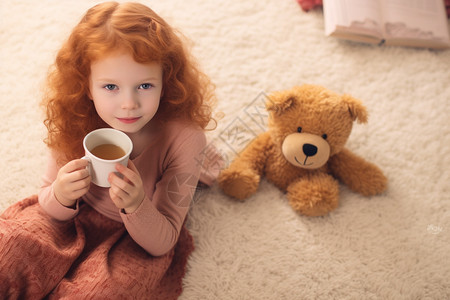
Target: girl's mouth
{"type": "Point", "coordinates": [128, 120]}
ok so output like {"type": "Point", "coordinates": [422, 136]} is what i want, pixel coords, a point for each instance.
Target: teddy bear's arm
{"type": "Point", "coordinates": [357, 173]}
{"type": "Point", "coordinates": [254, 156]}
{"type": "Point", "coordinates": [241, 178]}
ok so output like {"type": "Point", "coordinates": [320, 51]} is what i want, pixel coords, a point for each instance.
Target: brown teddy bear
{"type": "Point", "coordinates": [303, 152]}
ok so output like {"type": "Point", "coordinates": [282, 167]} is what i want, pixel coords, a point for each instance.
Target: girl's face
{"type": "Point", "coordinates": [126, 94]}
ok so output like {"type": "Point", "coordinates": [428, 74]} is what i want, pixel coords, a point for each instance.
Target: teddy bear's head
{"type": "Point", "coordinates": [311, 123]}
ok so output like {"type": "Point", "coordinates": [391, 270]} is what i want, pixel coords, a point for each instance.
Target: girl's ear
{"type": "Point", "coordinates": [356, 109]}
{"type": "Point", "coordinates": [89, 94]}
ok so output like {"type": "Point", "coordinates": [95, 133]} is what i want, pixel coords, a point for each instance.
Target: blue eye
{"type": "Point", "coordinates": [145, 86]}
{"type": "Point", "coordinates": [110, 87]}
{"type": "Point", "coordinates": [299, 129]}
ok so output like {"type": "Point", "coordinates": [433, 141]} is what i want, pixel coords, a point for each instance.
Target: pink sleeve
{"type": "Point", "coordinates": [156, 224]}
{"type": "Point", "coordinates": [47, 198]}
{"type": "Point", "coordinates": [211, 164]}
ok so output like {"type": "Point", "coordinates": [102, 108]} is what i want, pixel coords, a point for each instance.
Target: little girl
{"type": "Point", "coordinates": [122, 67]}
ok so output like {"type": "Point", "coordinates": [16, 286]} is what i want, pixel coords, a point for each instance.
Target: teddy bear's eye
{"type": "Point", "coordinates": [324, 136]}
{"type": "Point", "coordinates": [299, 129]}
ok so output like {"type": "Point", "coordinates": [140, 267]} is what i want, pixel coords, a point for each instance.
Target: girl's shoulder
{"type": "Point", "coordinates": [175, 134]}
{"type": "Point", "coordinates": [179, 128]}
{"type": "Point", "coordinates": [178, 138]}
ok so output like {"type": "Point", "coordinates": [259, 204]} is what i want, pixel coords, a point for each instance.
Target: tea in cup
{"type": "Point", "coordinates": [104, 148]}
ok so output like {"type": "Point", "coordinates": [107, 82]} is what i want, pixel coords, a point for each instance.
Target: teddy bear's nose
{"type": "Point", "coordinates": [309, 150]}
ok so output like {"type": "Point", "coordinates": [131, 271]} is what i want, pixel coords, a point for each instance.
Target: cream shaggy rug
{"type": "Point", "coordinates": [393, 246]}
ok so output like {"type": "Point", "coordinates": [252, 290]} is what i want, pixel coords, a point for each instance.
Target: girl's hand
{"type": "Point", "coordinates": [127, 192]}
{"type": "Point", "coordinates": [72, 182]}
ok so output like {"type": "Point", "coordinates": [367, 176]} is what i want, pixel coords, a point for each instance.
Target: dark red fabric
{"type": "Point", "coordinates": [90, 257]}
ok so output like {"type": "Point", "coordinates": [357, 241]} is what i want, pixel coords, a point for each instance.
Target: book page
{"type": "Point", "coordinates": [353, 16]}
{"type": "Point", "coordinates": [415, 19]}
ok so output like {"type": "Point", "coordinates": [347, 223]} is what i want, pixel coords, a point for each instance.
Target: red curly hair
{"type": "Point", "coordinates": [109, 27]}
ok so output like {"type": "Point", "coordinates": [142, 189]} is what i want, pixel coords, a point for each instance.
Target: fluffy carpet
{"type": "Point", "coordinates": [392, 246]}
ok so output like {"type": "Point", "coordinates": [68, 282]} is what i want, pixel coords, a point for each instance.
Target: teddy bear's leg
{"type": "Point", "coordinates": [314, 195]}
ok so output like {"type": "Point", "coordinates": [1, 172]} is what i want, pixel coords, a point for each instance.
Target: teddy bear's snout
{"type": "Point", "coordinates": [305, 150]}
{"type": "Point", "coordinates": [309, 149]}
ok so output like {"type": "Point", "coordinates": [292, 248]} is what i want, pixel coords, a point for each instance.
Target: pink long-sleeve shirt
{"type": "Point", "coordinates": [170, 168]}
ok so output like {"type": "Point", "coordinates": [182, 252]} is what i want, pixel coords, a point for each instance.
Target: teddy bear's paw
{"type": "Point", "coordinates": [376, 184]}
{"type": "Point", "coordinates": [239, 184]}
{"type": "Point", "coordinates": [370, 182]}
{"type": "Point", "coordinates": [311, 199]}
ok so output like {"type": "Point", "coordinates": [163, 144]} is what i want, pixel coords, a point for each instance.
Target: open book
{"type": "Point", "coordinates": [415, 23]}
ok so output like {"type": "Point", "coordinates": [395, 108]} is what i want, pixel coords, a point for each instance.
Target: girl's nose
{"type": "Point", "coordinates": [130, 101]}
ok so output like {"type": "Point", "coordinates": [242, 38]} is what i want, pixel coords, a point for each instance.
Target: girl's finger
{"type": "Point", "coordinates": [74, 165]}
{"type": "Point", "coordinates": [132, 166]}
{"type": "Point", "coordinates": [129, 175]}
{"type": "Point", "coordinates": [118, 196]}
{"type": "Point", "coordinates": [120, 183]}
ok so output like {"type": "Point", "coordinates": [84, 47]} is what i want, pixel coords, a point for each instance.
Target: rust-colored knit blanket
{"type": "Point", "coordinates": [89, 257]}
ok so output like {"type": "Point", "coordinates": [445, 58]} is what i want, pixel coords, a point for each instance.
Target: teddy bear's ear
{"type": "Point", "coordinates": [280, 102]}
{"type": "Point", "coordinates": [356, 109]}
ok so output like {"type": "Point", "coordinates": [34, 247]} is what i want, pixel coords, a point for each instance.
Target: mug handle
{"type": "Point", "coordinates": [89, 165]}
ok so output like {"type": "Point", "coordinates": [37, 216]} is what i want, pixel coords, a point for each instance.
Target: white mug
{"type": "Point", "coordinates": [99, 168]}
